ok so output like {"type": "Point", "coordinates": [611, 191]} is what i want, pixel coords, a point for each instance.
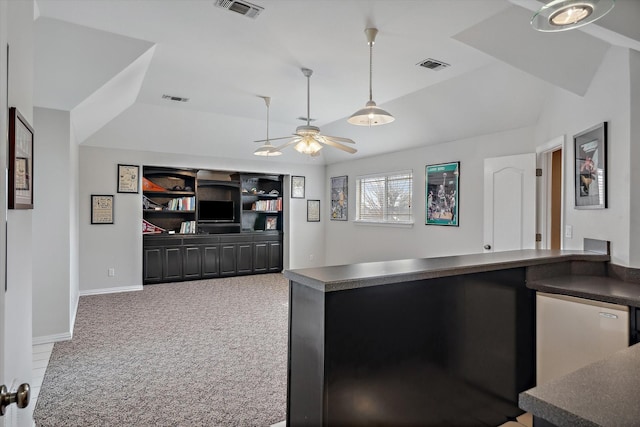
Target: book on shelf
{"type": "Point", "coordinates": [188, 227]}
{"type": "Point", "coordinates": [182, 204]}
{"type": "Point", "coordinates": [268, 205]}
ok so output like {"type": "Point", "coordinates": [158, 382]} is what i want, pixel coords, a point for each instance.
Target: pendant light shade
{"type": "Point", "coordinates": [562, 15]}
{"type": "Point", "coordinates": [267, 149]}
{"type": "Point", "coordinates": [371, 114]}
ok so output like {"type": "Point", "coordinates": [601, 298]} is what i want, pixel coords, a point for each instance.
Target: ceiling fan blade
{"type": "Point", "coordinates": [286, 144]}
{"type": "Point", "coordinates": [341, 139]}
{"type": "Point", "coordinates": [274, 139]}
{"type": "Point", "coordinates": [329, 141]}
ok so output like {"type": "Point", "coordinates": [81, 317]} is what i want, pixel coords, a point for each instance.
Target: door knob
{"type": "Point", "coordinates": [487, 247]}
{"type": "Point", "coordinates": [20, 397]}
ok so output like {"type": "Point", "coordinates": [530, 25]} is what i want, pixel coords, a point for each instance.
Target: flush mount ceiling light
{"type": "Point", "coordinates": [307, 138]}
{"type": "Point", "coordinates": [267, 149]}
{"type": "Point", "coordinates": [562, 15]}
{"type": "Point", "coordinates": [370, 115]}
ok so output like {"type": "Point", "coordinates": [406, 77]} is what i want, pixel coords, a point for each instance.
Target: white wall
{"type": "Point", "coordinates": [119, 246]}
{"type": "Point", "coordinates": [607, 99]}
{"type": "Point", "coordinates": [348, 242]}
{"type": "Point", "coordinates": [16, 21]}
{"type": "Point", "coordinates": [634, 158]}
{"type": "Point", "coordinates": [52, 226]}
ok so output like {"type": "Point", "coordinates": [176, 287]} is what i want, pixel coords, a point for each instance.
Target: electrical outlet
{"type": "Point", "coordinates": [311, 257]}
{"type": "Point", "coordinates": [111, 272]}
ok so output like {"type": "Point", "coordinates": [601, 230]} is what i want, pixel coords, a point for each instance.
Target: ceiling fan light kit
{"type": "Point", "coordinates": [267, 149]}
{"type": "Point", "coordinates": [371, 114]}
{"type": "Point", "coordinates": [563, 15]}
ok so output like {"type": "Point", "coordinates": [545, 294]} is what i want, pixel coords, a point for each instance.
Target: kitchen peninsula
{"type": "Point", "coordinates": [437, 341]}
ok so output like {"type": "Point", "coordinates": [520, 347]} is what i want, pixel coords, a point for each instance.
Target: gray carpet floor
{"type": "Point", "coordinates": [201, 353]}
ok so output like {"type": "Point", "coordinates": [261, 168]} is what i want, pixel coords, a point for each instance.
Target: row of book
{"type": "Point", "coordinates": [188, 227]}
{"type": "Point", "coordinates": [267, 205]}
{"type": "Point", "coordinates": [182, 204]}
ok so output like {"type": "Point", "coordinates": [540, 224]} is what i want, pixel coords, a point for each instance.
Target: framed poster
{"type": "Point", "coordinates": [128, 178]}
{"type": "Point", "coordinates": [442, 193]}
{"type": "Point", "coordinates": [339, 198]}
{"type": "Point", "coordinates": [590, 148]}
{"type": "Point", "coordinates": [313, 210]}
{"type": "Point", "coordinates": [297, 187]}
{"type": "Point", "coordinates": [101, 209]}
{"type": "Point", "coordinates": [20, 161]}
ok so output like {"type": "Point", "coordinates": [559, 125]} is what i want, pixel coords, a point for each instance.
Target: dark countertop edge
{"type": "Point", "coordinates": [341, 277]}
{"type": "Point", "coordinates": [551, 413]}
{"type": "Point", "coordinates": [602, 295]}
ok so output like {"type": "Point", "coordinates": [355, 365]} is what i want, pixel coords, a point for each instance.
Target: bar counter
{"type": "Point", "coordinates": [434, 341]}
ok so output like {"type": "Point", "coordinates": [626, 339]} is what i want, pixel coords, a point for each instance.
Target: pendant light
{"type": "Point", "coordinates": [267, 150]}
{"type": "Point", "coordinates": [370, 115]}
{"type": "Point", "coordinates": [562, 15]}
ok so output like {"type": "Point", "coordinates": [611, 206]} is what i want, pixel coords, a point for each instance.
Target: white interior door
{"type": "Point", "coordinates": [510, 203]}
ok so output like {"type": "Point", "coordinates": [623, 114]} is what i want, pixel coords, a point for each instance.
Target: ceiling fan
{"type": "Point", "coordinates": [307, 138]}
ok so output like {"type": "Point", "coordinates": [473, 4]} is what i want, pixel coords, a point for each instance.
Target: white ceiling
{"type": "Point", "coordinates": [500, 70]}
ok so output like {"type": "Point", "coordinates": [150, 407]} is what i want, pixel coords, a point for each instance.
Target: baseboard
{"type": "Point", "coordinates": [66, 336]}
{"type": "Point", "coordinates": [111, 290]}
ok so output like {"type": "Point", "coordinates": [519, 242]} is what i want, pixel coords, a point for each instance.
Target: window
{"type": "Point", "coordinates": [385, 198]}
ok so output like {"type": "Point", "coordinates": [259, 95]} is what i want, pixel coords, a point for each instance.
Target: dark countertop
{"type": "Point", "coordinates": [604, 393]}
{"type": "Point", "coordinates": [341, 277]}
{"type": "Point", "coordinates": [597, 288]}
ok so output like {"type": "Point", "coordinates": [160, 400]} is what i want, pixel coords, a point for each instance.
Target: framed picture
{"type": "Point", "coordinates": [20, 161]}
{"type": "Point", "coordinates": [339, 198]}
{"type": "Point", "coordinates": [313, 210]}
{"type": "Point", "coordinates": [128, 178]}
{"type": "Point", "coordinates": [297, 187]}
{"type": "Point", "coordinates": [271, 223]}
{"type": "Point", "coordinates": [590, 148]}
{"type": "Point", "coordinates": [442, 192]}
{"type": "Point", "coordinates": [101, 209]}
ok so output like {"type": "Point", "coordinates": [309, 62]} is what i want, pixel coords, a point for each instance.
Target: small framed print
{"type": "Point", "coordinates": [128, 178]}
{"type": "Point", "coordinates": [297, 187]}
{"type": "Point", "coordinates": [313, 210]}
{"type": "Point", "coordinates": [20, 161]}
{"type": "Point", "coordinates": [339, 198]}
{"type": "Point", "coordinates": [101, 209]}
{"type": "Point", "coordinates": [271, 223]}
{"type": "Point", "coordinates": [442, 183]}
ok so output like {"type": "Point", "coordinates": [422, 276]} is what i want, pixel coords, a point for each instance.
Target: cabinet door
{"type": "Point", "coordinates": [172, 264]}
{"type": "Point", "coordinates": [210, 261]}
{"type": "Point", "coordinates": [245, 258]}
{"type": "Point", "coordinates": [228, 259]}
{"type": "Point", "coordinates": [192, 262]}
{"type": "Point", "coordinates": [152, 265]}
{"type": "Point", "coordinates": [260, 257]}
{"type": "Point", "coordinates": [275, 257]}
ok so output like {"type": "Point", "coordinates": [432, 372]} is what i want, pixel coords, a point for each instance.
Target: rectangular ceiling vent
{"type": "Point", "coordinates": [433, 64]}
{"type": "Point", "coordinates": [242, 7]}
{"type": "Point", "coordinates": [175, 98]}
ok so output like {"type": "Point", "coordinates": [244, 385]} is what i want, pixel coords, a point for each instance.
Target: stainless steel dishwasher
{"type": "Point", "coordinates": [574, 332]}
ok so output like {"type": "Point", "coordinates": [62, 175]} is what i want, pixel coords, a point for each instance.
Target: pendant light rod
{"type": "Point", "coordinates": [307, 72]}
{"type": "Point", "coordinates": [371, 114]}
{"type": "Point", "coordinates": [267, 101]}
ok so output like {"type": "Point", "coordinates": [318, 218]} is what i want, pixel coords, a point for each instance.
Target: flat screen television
{"type": "Point", "coordinates": [216, 211]}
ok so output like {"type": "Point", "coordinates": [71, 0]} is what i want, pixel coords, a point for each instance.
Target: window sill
{"type": "Point", "coordinates": [385, 224]}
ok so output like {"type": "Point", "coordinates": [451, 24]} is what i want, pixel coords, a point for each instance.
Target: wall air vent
{"type": "Point", "coordinates": [175, 98]}
{"type": "Point", "coordinates": [242, 7]}
{"type": "Point", "coordinates": [433, 64]}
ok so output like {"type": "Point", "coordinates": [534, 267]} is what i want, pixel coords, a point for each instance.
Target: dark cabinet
{"type": "Point", "coordinates": [245, 258]}
{"type": "Point", "coordinates": [228, 259]}
{"type": "Point", "coordinates": [210, 261]}
{"type": "Point", "coordinates": [172, 264]}
{"type": "Point", "coordinates": [275, 257]}
{"type": "Point", "coordinates": [192, 262]}
{"type": "Point", "coordinates": [261, 257]}
{"type": "Point", "coordinates": [152, 265]}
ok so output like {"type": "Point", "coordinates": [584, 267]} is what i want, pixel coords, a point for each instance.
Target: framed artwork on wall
{"type": "Point", "coordinates": [20, 161]}
{"type": "Point", "coordinates": [442, 194]}
{"type": "Point", "coordinates": [590, 149]}
{"type": "Point", "coordinates": [128, 178]}
{"type": "Point", "coordinates": [297, 187]}
{"type": "Point", "coordinates": [313, 210]}
{"type": "Point", "coordinates": [101, 209]}
{"type": "Point", "coordinates": [339, 198]}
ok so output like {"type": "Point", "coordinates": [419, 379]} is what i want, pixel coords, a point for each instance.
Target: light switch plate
{"type": "Point", "coordinates": [568, 231]}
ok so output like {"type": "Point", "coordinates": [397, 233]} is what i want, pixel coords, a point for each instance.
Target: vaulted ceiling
{"type": "Point", "coordinates": [110, 62]}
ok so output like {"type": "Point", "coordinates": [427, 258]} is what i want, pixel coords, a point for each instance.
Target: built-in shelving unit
{"type": "Point", "coordinates": [210, 224]}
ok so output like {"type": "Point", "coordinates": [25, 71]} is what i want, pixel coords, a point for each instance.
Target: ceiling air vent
{"type": "Point", "coordinates": [242, 7]}
{"type": "Point", "coordinates": [433, 64]}
{"type": "Point", "coordinates": [175, 98]}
